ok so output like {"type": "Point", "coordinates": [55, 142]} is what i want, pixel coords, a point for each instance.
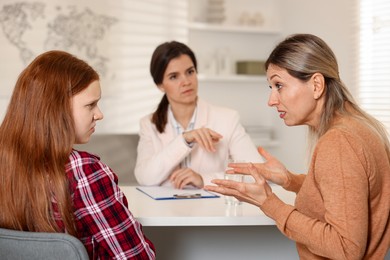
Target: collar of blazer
{"type": "Point", "coordinates": [201, 121]}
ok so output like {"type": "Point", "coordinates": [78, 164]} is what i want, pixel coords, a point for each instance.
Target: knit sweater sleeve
{"type": "Point", "coordinates": [295, 182]}
{"type": "Point", "coordinates": [338, 168]}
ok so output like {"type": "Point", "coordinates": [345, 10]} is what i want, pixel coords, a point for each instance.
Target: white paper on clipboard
{"type": "Point", "coordinates": [167, 193]}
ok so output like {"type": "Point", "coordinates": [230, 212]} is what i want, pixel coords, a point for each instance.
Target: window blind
{"type": "Point", "coordinates": [374, 59]}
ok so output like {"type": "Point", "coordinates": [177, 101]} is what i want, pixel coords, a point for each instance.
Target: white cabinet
{"type": "Point", "coordinates": [249, 32]}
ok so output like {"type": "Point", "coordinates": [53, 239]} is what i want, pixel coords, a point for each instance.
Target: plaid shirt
{"type": "Point", "coordinates": [104, 223]}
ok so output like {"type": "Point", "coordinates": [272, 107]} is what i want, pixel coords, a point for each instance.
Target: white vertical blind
{"type": "Point", "coordinates": [374, 59]}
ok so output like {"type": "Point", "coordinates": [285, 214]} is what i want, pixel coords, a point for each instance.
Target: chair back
{"type": "Point", "coordinates": [40, 245]}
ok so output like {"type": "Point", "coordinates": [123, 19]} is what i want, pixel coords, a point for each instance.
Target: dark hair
{"type": "Point", "coordinates": [161, 57]}
{"type": "Point", "coordinates": [36, 139]}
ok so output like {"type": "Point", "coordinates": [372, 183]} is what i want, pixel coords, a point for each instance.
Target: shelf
{"type": "Point", "coordinates": [231, 28]}
{"type": "Point", "coordinates": [232, 78]}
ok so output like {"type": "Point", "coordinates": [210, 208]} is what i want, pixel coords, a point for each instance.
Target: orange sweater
{"type": "Point", "coordinates": [342, 208]}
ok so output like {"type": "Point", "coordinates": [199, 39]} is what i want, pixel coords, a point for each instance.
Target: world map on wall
{"type": "Point", "coordinates": [66, 28]}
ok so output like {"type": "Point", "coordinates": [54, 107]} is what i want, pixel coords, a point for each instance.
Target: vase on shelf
{"type": "Point", "coordinates": [251, 19]}
{"type": "Point", "coordinates": [215, 11]}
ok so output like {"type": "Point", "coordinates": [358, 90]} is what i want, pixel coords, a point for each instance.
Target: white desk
{"type": "Point", "coordinates": [203, 229]}
{"type": "Point", "coordinates": [197, 212]}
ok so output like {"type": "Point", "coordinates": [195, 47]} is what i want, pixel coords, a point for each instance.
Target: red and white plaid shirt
{"type": "Point", "coordinates": [104, 223]}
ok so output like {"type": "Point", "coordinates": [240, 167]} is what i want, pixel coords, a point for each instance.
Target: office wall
{"type": "Point", "coordinates": [117, 38]}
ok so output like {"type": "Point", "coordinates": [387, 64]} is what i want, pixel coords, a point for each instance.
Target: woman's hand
{"type": "Point", "coordinates": [272, 170]}
{"type": "Point", "coordinates": [186, 176]}
{"type": "Point", "coordinates": [257, 192]}
{"type": "Point", "coordinates": [205, 137]}
{"type": "Point", "coordinates": [254, 193]}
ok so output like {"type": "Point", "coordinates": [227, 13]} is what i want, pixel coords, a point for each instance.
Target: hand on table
{"type": "Point", "coordinates": [186, 176]}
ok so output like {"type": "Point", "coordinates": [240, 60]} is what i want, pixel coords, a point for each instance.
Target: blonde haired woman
{"type": "Point", "coordinates": [342, 208]}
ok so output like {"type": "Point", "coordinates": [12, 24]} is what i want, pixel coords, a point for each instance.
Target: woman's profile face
{"type": "Point", "coordinates": [293, 98]}
{"type": "Point", "coordinates": [180, 81]}
{"type": "Point", "coordinates": [86, 112]}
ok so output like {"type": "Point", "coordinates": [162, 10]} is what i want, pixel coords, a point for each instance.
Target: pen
{"type": "Point", "coordinates": [187, 196]}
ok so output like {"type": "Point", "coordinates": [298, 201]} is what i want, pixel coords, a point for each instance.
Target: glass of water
{"type": "Point", "coordinates": [230, 200]}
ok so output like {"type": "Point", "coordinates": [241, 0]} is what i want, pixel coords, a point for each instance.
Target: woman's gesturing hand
{"type": "Point", "coordinates": [272, 169]}
{"type": "Point", "coordinates": [205, 137]}
{"type": "Point", "coordinates": [254, 193]}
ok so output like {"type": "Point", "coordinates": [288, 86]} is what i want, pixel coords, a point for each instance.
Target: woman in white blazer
{"type": "Point", "coordinates": [186, 141]}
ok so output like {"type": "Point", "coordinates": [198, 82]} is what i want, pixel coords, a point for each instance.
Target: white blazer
{"type": "Point", "coordinates": [161, 153]}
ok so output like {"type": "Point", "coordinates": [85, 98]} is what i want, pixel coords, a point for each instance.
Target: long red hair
{"type": "Point", "coordinates": [36, 139]}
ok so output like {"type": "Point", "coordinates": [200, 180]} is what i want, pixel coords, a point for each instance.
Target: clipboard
{"type": "Point", "coordinates": [167, 193]}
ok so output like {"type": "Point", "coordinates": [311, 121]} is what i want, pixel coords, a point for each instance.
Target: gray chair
{"type": "Point", "coordinates": [118, 151]}
{"type": "Point", "coordinates": [18, 245]}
